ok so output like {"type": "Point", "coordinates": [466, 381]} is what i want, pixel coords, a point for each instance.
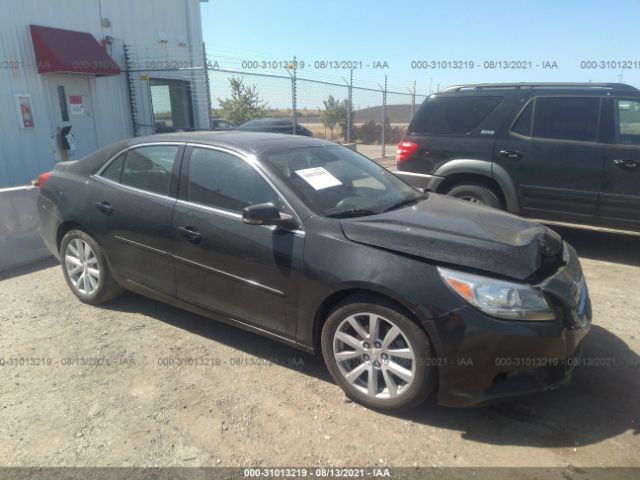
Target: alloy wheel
{"type": "Point", "coordinates": [81, 265]}
{"type": "Point", "coordinates": [374, 355]}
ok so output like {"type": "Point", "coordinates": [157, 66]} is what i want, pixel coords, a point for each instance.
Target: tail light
{"type": "Point", "coordinates": [405, 150]}
{"type": "Point", "coordinates": [42, 178]}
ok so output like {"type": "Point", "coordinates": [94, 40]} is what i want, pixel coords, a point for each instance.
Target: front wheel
{"type": "Point", "coordinates": [85, 269]}
{"type": "Point", "coordinates": [378, 356]}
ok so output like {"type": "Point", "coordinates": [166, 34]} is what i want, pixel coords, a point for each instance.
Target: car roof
{"type": "Point", "coordinates": [538, 88]}
{"type": "Point", "coordinates": [241, 141]}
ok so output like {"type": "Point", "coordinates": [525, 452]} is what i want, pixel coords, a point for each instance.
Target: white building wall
{"type": "Point", "coordinates": [26, 152]}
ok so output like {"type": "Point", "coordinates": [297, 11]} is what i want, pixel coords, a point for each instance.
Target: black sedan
{"type": "Point", "coordinates": [275, 125]}
{"type": "Point", "coordinates": [309, 243]}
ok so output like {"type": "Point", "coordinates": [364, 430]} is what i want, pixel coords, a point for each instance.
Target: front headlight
{"type": "Point", "coordinates": [499, 298]}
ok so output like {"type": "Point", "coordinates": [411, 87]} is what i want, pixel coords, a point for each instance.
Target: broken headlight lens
{"type": "Point", "coordinates": [499, 298]}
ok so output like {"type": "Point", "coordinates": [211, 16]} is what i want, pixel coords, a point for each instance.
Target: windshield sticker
{"type": "Point", "coordinates": [318, 178]}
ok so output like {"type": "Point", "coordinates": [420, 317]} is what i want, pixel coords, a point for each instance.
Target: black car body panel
{"type": "Point", "coordinates": [283, 282]}
{"type": "Point", "coordinates": [514, 359]}
{"type": "Point", "coordinates": [543, 162]}
{"type": "Point", "coordinates": [490, 241]}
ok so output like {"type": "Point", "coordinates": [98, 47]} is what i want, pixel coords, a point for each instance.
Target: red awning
{"type": "Point", "coordinates": [66, 51]}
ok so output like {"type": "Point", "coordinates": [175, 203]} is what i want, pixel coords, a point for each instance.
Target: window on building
{"type": "Point", "coordinates": [221, 180]}
{"type": "Point", "coordinates": [171, 105]}
{"type": "Point", "coordinates": [566, 118]}
{"type": "Point", "coordinates": [62, 100]}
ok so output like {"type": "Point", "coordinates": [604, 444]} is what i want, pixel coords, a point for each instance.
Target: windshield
{"type": "Point", "coordinates": [337, 182]}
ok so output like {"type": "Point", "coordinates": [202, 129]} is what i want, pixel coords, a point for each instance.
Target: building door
{"type": "Point", "coordinates": [70, 99]}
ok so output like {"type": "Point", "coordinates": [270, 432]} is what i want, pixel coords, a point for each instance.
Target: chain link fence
{"type": "Point", "coordinates": [193, 94]}
{"type": "Point", "coordinates": [167, 92]}
{"type": "Point", "coordinates": [373, 118]}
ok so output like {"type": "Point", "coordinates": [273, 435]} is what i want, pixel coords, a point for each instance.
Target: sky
{"type": "Point", "coordinates": [557, 34]}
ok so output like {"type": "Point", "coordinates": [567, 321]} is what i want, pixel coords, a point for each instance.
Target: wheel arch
{"type": "Point", "coordinates": [65, 227]}
{"type": "Point", "coordinates": [71, 224]}
{"type": "Point", "coordinates": [330, 302]}
{"type": "Point", "coordinates": [489, 173]}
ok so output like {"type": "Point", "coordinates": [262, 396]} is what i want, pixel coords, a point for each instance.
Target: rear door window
{"type": "Point", "coordinates": [145, 168]}
{"type": "Point", "coordinates": [522, 125]}
{"type": "Point", "coordinates": [452, 115]}
{"type": "Point", "coordinates": [566, 118]}
{"type": "Point", "coordinates": [113, 171]}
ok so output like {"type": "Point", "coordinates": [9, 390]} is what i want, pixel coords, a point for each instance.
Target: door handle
{"type": "Point", "coordinates": [190, 233]}
{"type": "Point", "coordinates": [626, 164]}
{"type": "Point", "coordinates": [512, 154]}
{"type": "Point", "coordinates": [104, 207]}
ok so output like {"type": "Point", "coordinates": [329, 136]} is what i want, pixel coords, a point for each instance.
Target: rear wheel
{"type": "Point", "coordinates": [476, 193]}
{"type": "Point", "coordinates": [86, 270]}
{"type": "Point", "coordinates": [378, 356]}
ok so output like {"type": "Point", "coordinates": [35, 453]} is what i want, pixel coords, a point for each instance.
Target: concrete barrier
{"type": "Point", "coordinates": [20, 242]}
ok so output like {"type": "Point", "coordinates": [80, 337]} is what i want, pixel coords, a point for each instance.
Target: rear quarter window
{"type": "Point", "coordinates": [453, 115]}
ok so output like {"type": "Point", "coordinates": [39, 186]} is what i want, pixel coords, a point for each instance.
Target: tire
{"type": "Point", "coordinates": [476, 193]}
{"type": "Point", "coordinates": [408, 394]}
{"type": "Point", "coordinates": [93, 282]}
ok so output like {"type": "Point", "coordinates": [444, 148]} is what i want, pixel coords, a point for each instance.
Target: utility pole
{"type": "Point", "coordinates": [293, 67]}
{"type": "Point", "coordinates": [349, 104]}
{"type": "Point", "coordinates": [413, 99]}
{"type": "Point", "coordinates": [205, 65]}
{"type": "Point", "coordinates": [384, 116]}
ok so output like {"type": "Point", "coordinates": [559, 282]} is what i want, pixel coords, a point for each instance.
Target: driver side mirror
{"type": "Point", "coordinates": [267, 214]}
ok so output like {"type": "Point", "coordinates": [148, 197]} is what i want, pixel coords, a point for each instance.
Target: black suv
{"type": "Point", "coordinates": [275, 125]}
{"type": "Point", "coordinates": [216, 123]}
{"type": "Point", "coordinates": [561, 153]}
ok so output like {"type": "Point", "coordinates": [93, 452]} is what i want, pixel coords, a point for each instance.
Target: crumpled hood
{"type": "Point", "coordinates": [447, 230]}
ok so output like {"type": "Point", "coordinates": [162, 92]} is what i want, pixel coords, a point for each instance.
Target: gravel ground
{"type": "Point", "coordinates": [374, 152]}
{"type": "Point", "coordinates": [104, 394]}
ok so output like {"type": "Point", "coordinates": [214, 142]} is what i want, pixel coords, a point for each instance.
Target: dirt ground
{"type": "Point", "coordinates": [112, 386]}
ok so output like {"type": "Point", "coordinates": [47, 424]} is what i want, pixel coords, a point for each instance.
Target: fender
{"type": "Point", "coordinates": [486, 169]}
{"type": "Point", "coordinates": [423, 317]}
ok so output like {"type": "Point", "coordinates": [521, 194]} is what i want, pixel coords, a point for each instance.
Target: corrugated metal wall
{"type": "Point", "coordinates": [26, 152]}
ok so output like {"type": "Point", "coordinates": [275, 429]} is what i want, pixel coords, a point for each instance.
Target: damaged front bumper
{"type": "Point", "coordinates": [485, 358]}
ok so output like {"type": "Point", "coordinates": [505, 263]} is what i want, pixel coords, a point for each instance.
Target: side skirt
{"type": "Point", "coordinates": [147, 292]}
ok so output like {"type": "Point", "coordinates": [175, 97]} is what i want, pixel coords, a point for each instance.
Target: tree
{"type": "Point", "coordinates": [335, 113]}
{"type": "Point", "coordinates": [329, 117]}
{"type": "Point", "coordinates": [245, 103]}
{"type": "Point", "coordinates": [344, 117]}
